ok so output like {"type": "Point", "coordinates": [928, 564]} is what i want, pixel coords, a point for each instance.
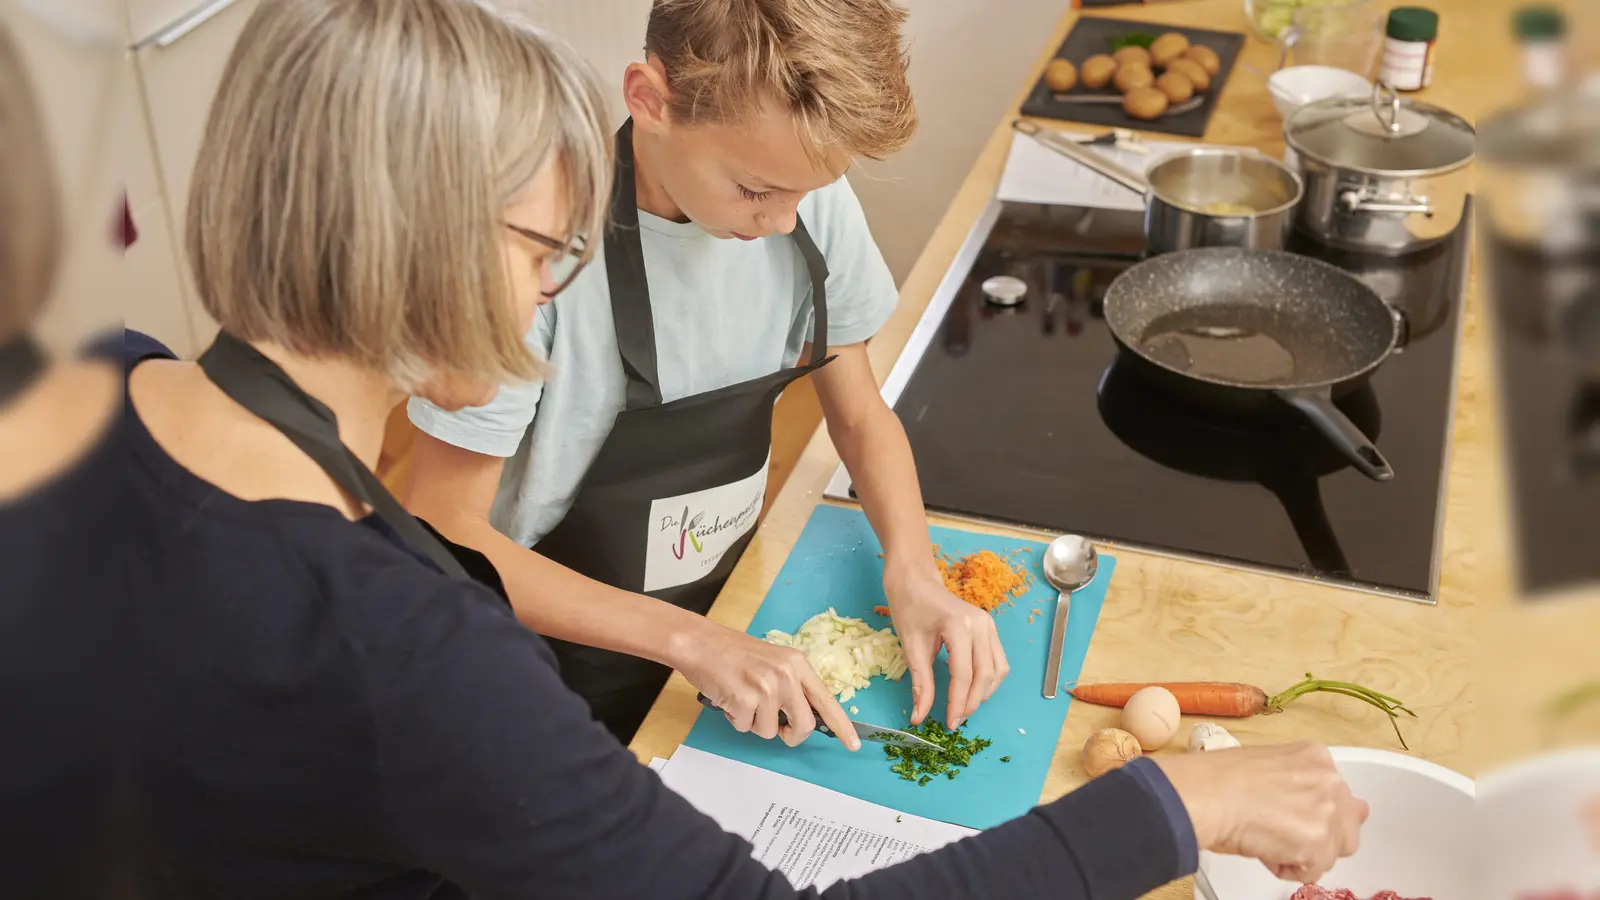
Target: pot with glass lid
{"type": "Point", "coordinates": [1381, 175]}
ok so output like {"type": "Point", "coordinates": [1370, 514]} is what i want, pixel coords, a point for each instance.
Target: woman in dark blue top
{"type": "Point", "coordinates": [324, 705]}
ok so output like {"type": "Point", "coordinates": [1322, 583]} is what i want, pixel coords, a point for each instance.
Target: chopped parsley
{"type": "Point", "coordinates": [920, 764]}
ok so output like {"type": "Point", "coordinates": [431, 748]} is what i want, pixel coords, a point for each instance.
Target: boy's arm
{"type": "Point", "coordinates": [453, 489]}
{"type": "Point", "coordinates": [873, 445]}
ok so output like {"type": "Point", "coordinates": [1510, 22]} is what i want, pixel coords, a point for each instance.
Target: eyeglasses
{"type": "Point", "coordinates": [574, 248]}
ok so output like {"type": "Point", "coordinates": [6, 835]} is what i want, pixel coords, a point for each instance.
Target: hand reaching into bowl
{"type": "Point", "coordinates": [1286, 806]}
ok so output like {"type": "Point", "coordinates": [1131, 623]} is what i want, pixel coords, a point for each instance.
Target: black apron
{"type": "Point", "coordinates": [647, 512]}
{"type": "Point", "coordinates": [259, 385]}
{"type": "Point", "coordinates": [21, 361]}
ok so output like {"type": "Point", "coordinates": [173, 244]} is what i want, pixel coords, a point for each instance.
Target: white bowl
{"type": "Point", "coordinates": [1533, 837]}
{"type": "Point", "coordinates": [1296, 86]}
{"type": "Point", "coordinates": [1416, 842]}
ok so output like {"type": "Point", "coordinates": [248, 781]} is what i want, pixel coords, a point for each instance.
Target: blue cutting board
{"type": "Point", "coordinates": [836, 564]}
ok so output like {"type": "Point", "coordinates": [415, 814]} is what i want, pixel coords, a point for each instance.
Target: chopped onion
{"type": "Point", "coordinates": [846, 652]}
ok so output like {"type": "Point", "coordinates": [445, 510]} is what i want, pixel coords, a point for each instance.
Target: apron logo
{"type": "Point", "coordinates": [691, 534]}
{"type": "Point", "coordinates": [686, 530]}
{"type": "Point", "coordinates": [691, 531]}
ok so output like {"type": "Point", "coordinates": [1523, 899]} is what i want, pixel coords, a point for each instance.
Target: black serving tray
{"type": "Point", "coordinates": [1092, 35]}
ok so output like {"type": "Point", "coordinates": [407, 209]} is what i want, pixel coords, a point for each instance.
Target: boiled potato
{"type": "Point", "coordinates": [1132, 54]}
{"type": "Point", "coordinates": [1060, 76]}
{"type": "Point", "coordinates": [1097, 70]}
{"type": "Point", "coordinates": [1130, 76]}
{"type": "Point", "coordinates": [1167, 48]}
{"type": "Point", "coordinates": [1196, 73]}
{"type": "Point", "coordinates": [1144, 103]}
{"type": "Point", "coordinates": [1206, 57]}
{"type": "Point", "coordinates": [1175, 86]}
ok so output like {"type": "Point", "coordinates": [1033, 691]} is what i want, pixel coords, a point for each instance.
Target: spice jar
{"type": "Point", "coordinates": [1541, 30]}
{"type": "Point", "coordinates": [1409, 39]}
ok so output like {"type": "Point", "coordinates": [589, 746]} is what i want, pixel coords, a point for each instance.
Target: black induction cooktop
{"type": "Point", "coordinates": [1022, 414]}
{"type": "Point", "coordinates": [1550, 413]}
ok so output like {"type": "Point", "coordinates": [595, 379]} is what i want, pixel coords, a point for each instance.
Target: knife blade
{"type": "Point", "coordinates": [877, 734]}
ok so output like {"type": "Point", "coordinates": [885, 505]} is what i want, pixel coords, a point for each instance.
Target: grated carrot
{"type": "Point", "coordinates": [985, 579]}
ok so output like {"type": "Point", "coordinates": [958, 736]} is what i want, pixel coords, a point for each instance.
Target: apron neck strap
{"type": "Point", "coordinates": [817, 268]}
{"type": "Point", "coordinates": [21, 361]}
{"type": "Point", "coordinates": [262, 387]}
{"type": "Point", "coordinates": [630, 288]}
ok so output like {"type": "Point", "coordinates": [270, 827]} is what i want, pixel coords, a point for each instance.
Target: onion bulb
{"type": "Point", "coordinates": [1107, 749]}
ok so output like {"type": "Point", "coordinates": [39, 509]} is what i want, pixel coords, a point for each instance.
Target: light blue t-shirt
{"type": "Point", "coordinates": [725, 311]}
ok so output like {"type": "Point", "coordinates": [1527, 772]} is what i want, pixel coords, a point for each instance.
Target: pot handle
{"type": "Point", "coordinates": [1359, 201]}
{"type": "Point", "coordinates": [1317, 405]}
{"type": "Point", "coordinates": [1380, 105]}
{"type": "Point", "coordinates": [1098, 162]}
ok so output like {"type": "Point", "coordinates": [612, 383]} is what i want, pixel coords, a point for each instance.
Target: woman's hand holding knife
{"type": "Point", "coordinates": [751, 681]}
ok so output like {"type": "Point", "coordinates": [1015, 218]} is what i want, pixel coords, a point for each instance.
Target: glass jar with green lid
{"type": "Point", "coordinates": [1410, 36]}
{"type": "Point", "coordinates": [1541, 30]}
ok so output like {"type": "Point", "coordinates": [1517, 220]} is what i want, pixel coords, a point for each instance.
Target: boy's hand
{"type": "Point", "coordinates": [927, 616]}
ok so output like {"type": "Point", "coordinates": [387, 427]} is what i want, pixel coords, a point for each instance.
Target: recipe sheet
{"type": "Point", "coordinates": [1036, 174]}
{"type": "Point", "coordinates": [812, 835]}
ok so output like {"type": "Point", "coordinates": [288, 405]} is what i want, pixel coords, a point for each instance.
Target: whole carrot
{"type": "Point", "coordinates": [1235, 700]}
{"type": "Point", "coordinates": [1195, 698]}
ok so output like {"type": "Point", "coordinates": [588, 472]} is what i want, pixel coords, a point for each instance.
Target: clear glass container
{"type": "Point", "coordinates": [1270, 18]}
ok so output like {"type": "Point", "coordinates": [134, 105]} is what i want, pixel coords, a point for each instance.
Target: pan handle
{"type": "Point", "coordinates": [1317, 405]}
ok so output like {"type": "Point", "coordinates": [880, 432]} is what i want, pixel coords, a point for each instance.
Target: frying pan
{"type": "Point", "coordinates": [1246, 331]}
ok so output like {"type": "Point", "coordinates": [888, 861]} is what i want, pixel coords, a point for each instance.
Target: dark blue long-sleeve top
{"type": "Point", "coordinates": [320, 713]}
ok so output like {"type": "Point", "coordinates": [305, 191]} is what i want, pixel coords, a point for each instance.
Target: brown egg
{"type": "Point", "coordinates": [1196, 73]}
{"type": "Point", "coordinates": [1144, 103]}
{"type": "Point", "coordinates": [1206, 57]}
{"type": "Point", "coordinates": [1167, 48]}
{"type": "Point", "coordinates": [1132, 54]}
{"type": "Point", "coordinates": [1060, 75]}
{"type": "Point", "coordinates": [1175, 86]}
{"type": "Point", "coordinates": [1130, 76]}
{"type": "Point", "coordinates": [1097, 70]}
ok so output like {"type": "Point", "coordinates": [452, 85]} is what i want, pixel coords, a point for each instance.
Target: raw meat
{"type": "Point", "coordinates": [1316, 892]}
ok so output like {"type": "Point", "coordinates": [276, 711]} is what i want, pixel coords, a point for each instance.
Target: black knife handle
{"type": "Point", "coordinates": [783, 720]}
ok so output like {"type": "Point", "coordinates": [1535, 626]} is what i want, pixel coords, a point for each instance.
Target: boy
{"type": "Point", "coordinates": [636, 473]}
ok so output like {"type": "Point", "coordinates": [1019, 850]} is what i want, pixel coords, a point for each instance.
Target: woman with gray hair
{"type": "Point", "coordinates": [322, 704]}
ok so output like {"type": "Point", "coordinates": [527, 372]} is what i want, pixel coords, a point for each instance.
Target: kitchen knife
{"type": "Point", "coordinates": [877, 734]}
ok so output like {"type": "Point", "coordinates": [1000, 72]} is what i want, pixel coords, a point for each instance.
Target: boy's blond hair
{"type": "Point", "coordinates": [839, 66]}
{"type": "Point", "coordinates": [349, 196]}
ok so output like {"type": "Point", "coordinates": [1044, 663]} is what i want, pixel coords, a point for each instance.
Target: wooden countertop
{"type": "Point", "coordinates": [1172, 619]}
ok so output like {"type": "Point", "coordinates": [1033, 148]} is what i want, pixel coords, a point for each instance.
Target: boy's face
{"type": "Point", "coordinates": [739, 181]}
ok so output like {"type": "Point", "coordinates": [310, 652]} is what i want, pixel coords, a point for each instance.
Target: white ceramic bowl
{"type": "Point", "coordinates": [1533, 836]}
{"type": "Point", "coordinates": [1295, 86]}
{"type": "Point", "coordinates": [1416, 842]}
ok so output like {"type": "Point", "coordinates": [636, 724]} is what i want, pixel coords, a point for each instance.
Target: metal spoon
{"type": "Point", "coordinates": [1069, 563]}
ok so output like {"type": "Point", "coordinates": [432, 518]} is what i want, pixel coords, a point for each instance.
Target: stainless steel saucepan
{"type": "Point", "coordinates": [1204, 197]}
{"type": "Point", "coordinates": [1382, 175]}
